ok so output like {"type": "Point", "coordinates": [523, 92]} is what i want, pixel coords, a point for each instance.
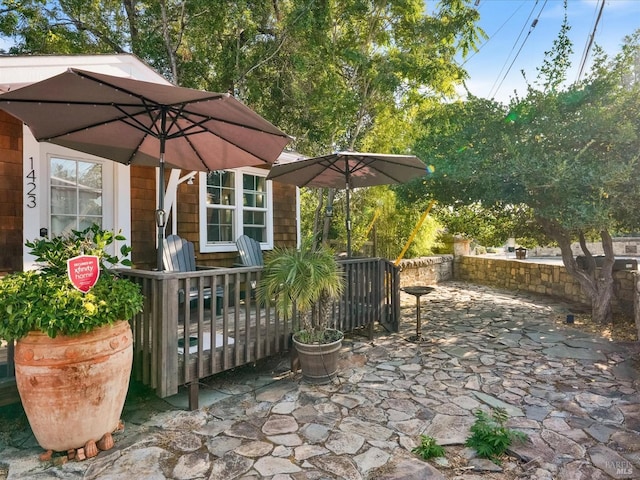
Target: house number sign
{"type": "Point", "coordinates": [31, 186]}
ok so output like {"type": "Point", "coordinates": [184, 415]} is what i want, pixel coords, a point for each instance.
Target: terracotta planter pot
{"type": "Point", "coordinates": [73, 388]}
{"type": "Point", "coordinates": [319, 362]}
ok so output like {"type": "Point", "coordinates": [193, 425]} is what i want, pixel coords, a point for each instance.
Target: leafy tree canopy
{"type": "Point", "coordinates": [566, 158]}
{"type": "Point", "coordinates": [347, 74]}
{"type": "Point", "coordinates": [322, 71]}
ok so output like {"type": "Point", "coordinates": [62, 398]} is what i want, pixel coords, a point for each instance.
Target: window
{"type": "Point", "coordinates": [254, 202]}
{"type": "Point", "coordinates": [221, 202]}
{"type": "Point", "coordinates": [234, 202]}
{"type": "Point", "coordinates": [76, 194]}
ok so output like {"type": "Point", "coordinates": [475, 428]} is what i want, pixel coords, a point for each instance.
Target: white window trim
{"type": "Point", "coordinates": [231, 246]}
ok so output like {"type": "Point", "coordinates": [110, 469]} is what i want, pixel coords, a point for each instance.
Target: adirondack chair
{"type": "Point", "coordinates": [250, 256]}
{"type": "Point", "coordinates": [179, 256]}
{"type": "Point", "coordinates": [249, 251]}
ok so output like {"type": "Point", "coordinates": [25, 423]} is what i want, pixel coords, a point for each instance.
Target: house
{"type": "Point", "coordinates": [37, 179]}
{"type": "Point", "coordinates": [182, 335]}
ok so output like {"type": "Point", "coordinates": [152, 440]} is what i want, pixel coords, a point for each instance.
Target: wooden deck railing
{"type": "Point", "coordinates": [197, 324]}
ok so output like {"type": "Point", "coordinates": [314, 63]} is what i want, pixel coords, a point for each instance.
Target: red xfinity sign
{"type": "Point", "coordinates": [83, 271]}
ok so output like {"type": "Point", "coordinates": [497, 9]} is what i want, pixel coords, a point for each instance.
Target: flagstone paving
{"type": "Point", "coordinates": [575, 395]}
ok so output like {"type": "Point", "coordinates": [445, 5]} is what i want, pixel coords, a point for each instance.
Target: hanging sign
{"type": "Point", "coordinates": [83, 271]}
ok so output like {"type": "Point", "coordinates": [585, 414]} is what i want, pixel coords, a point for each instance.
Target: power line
{"type": "Point", "coordinates": [494, 33]}
{"type": "Point", "coordinates": [526, 22]}
{"type": "Point", "coordinates": [587, 49]}
{"type": "Point", "coordinates": [533, 25]}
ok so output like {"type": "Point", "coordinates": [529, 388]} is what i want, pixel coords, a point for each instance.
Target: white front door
{"type": "Point", "coordinates": [67, 190]}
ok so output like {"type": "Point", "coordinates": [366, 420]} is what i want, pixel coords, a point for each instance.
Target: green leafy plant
{"type": "Point", "coordinates": [428, 448]}
{"type": "Point", "coordinates": [46, 300]}
{"type": "Point", "coordinates": [489, 436]}
{"type": "Point", "coordinates": [304, 280]}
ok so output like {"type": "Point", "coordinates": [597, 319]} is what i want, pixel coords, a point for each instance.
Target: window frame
{"type": "Point", "coordinates": [77, 190]}
{"type": "Point", "coordinates": [238, 210]}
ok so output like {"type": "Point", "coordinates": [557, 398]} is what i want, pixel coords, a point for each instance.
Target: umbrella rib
{"type": "Point", "coordinates": [197, 153]}
{"type": "Point", "coordinates": [213, 96]}
{"type": "Point", "coordinates": [130, 119]}
{"type": "Point", "coordinates": [308, 169]}
{"type": "Point", "coordinates": [126, 118]}
{"type": "Point", "coordinates": [144, 129]}
{"type": "Point", "coordinates": [363, 163]}
{"type": "Point", "coordinates": [209, 118]}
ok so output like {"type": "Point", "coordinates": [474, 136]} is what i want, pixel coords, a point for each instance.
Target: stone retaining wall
{"type": "Point", "coordinates": [622, 247]}
{"type": "Point", "coordinates": [511, 274]}
{"type": "Point", "coordinates": [426, 270]}
{"type": "Point", "coordinates": [545, 279]}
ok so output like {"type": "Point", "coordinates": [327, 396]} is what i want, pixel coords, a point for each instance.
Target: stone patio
{"type": "Point", "coordinates": [575, 395]}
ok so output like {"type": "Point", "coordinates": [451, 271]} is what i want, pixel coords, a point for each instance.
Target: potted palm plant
{"type": "Point", "coordinates": [302, 283]}
{"type": "Point", "coordinates": [74, 345]}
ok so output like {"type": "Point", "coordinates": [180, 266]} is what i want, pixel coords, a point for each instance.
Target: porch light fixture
{"type": "Point", "coordinates": [161, 218]}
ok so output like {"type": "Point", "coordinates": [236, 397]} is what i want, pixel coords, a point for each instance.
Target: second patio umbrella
{"type": "Point", "coordinates": [140, 123]}
{"type": "Point", "coordinates": [348, 170]}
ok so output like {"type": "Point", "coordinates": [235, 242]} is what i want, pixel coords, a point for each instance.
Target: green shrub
{"type": "Point", "coordinates": [489, 436]}
{"type": "Point", "coordinates": [306, 280]}
{"type": "Point", "coordinates": [46, 300]}
{"type": "Point", "coordinates": [428, 448]}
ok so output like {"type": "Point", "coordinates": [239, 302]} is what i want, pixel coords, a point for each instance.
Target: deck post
{"type": "Point", "coordinates": [193, 395]}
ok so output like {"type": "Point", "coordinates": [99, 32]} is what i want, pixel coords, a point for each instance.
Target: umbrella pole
{"type": "Point", "coordinates": [160, 213]}
{"type": "Point", "coordinates": [160, 216]}
{"type": "Point", "coordinates": [161, 219]}
{"type": "Point", "coordinates": [348, 220]}
{"type": "Point", "coordinates": [348, 206]}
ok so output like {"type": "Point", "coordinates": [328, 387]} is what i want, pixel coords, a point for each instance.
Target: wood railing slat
{"type": "Point", "coordinates": [232, 329]}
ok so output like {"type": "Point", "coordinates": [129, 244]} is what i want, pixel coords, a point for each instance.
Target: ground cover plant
{"type": "Point", "coordinates": [428, 448]}
{"type": "Point", "coordinates": [489, 435]}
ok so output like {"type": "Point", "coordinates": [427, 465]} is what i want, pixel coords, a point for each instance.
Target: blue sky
{"type": "Point", "coordinates": [508, 22]}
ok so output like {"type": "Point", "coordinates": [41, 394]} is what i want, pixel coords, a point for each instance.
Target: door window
{"type": "Point", "coordinates": [76, 194]}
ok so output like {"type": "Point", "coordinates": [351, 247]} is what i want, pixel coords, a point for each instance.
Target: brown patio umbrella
{"type": "Point", "coordinates": [140, 123]}
{"type": "Point", "coordinates": [348, 170]}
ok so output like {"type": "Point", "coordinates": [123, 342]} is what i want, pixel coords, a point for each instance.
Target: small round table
{"type": "Point", "coordinates": [418, 291]}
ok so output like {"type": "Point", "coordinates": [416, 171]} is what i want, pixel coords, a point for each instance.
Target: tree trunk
{"type": "Point", "coordinates": [316, 218]}
{"type": "Point", "coordinates": [327, 218]}
{"type": "Point", "coordinates": [130, 8]}
{"type": "Point", "coordinates": [170, 48]}
{"type": "Point", "coordinates": [596, 283]}
{"type": "Point", "coordinates": [636, 304]}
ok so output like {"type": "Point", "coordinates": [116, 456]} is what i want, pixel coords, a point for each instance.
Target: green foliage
{"type": "Point", "coordinates": [428, 448]}
{"type": "Point", "coordinates": [377, 214]}
{"type": "Point", "coordinates": [490, 226]}
{"type": "Point", "coordinates": [46, 300]}
{"type": "Point", "coordinates": [53, 253]}
{"type": "Point", "coordinates": [318, 336]}
{"type": "Point", "coordinates": [564, 159]}
{"type": "Point", "coordinates": [304, 279]}
{"type": "Point", "coordinates": [489, 436]}
{"type": "Point", "coordinates": [331, 74]}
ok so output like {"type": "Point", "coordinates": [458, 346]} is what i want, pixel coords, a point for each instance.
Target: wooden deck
{"type": "Point", "coordinates": [180, 339]}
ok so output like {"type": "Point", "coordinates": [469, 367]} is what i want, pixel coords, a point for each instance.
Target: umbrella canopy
{"type": "Point", "coordinates": [140, 123]}
{"type": "Point", "coordinates": [348, 170]}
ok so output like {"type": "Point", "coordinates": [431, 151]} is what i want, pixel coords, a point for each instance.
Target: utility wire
{"type": "Point", "coordinates": [493, 34]}
{"type": "Point", "coordinates": [533, 25]}
{"type": "Point", "coordinates": [512, 49]}
{"type": "Point", "coordinates": [587, 49]}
